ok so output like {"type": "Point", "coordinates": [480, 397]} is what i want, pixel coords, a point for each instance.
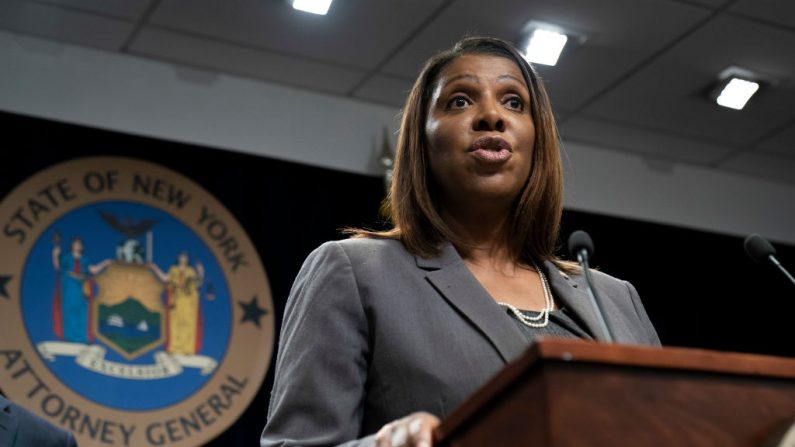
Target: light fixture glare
{"type": "Point", "coordinates": [545, 47]}
{"type": "Point", "coordinates": [314, 6]}
{"type": "Point", "coordinates": [736, 93]}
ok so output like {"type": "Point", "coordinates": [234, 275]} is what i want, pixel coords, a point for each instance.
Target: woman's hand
{"type": "Point", "coordinates": [414, 430]}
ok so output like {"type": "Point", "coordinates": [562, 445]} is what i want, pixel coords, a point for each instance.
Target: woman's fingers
{"type": "Point", "coordinates": [399, 436]}
{"type": "Point", "coordinates": [420, 426]}
{"type": "Point", "coordinates": [382, 437]}
{"type": "Point", "coordinates": [414, 430]}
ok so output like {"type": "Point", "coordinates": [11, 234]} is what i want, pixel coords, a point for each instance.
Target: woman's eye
{"type": "Point", "coordinates": [458, 102]}
{"type": "Point", "coordinates": [515, 103]}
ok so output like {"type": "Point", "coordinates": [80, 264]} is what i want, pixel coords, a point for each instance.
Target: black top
{"type": "Point", "coordinates": [561, 325]}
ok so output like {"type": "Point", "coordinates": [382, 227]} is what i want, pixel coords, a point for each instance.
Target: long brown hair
{"type": "Point", "coordinates": [534, 221]}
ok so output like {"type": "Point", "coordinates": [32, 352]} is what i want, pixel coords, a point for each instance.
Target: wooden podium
{"type": "Point", "coordinates": [578, 393]}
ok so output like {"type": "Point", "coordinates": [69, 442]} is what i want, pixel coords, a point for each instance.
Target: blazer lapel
{"type": "Point", "coordinates": [453, 280]}
{"type": "Point", "coordinates": [8, 424]}
{"type": "Point", "coordinates": [571, 293]}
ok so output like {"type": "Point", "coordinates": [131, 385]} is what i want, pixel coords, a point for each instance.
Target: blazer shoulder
{"type": "Point", "coordinates": [606, 280]}
{"type": "Point", "coordinates": [361, 249]}
{"type": "Point", "coordinates": [360, 259]}
{"type": "Point", "coordinates": [369, 244]}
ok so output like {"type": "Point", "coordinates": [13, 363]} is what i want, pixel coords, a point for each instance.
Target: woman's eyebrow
{"type": "Point", "coordinates": [468, 77]}
{"type": "Point", "coordinates": [509, 77]}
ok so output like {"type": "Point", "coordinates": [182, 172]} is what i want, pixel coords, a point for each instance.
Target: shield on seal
{"type": "Point", "coordinates": [128, 313]}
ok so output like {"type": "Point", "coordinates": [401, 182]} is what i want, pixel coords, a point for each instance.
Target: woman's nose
{"type": "Point", "coordinates": [489, 118]}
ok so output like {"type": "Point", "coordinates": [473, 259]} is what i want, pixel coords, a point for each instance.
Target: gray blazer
{"type": "Point", "coordinates": [372, 333]}
{"type": "Point", "coordinates": [21, 428]}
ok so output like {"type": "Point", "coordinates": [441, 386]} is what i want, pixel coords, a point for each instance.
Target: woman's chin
{"type": "Point", "coordinates": [496, 188]}
{"type": "Point", "coordinates": [488, 196]}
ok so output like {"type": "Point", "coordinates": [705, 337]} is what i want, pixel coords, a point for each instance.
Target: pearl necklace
{"type": "Point", "coordinates": [544, 314]}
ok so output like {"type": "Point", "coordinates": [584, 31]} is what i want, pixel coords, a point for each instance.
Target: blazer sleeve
{"type": "Point", "coordinates": [321, 368]}
{"type": "Point", "coordinates": [651, 333]}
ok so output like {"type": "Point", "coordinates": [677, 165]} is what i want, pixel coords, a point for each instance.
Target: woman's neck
{"type": "Point", "coordinates": [484, 238]}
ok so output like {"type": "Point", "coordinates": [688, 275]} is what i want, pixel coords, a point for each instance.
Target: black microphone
{"type": "Point", "coordinates": [760, 250]}
{"type": "Point", "coordinates": [581, 245]}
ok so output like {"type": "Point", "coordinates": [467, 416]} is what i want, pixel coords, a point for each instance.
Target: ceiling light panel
{"type": "Point", "coordinates": [736, 93]}
{"type": "Point", "coordinates": [545, 46]}
{"type": "Point", "coordinates": [314, 6]}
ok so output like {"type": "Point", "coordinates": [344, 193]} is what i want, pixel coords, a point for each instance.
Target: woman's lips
{"type": "Point", "coordinates": [491, 156]}
{"type": "Point", "coordinates": [491, 150]}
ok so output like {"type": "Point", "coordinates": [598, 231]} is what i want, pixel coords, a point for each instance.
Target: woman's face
{"type": "Point", "coordinates": [480, 132]}
{"type": "Point", "coordinates": [182, 259]}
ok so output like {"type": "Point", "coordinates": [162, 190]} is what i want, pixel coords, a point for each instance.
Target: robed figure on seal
{"type": "Point", "coordinates": [73, 292]}
{"type": "Point", "coordinates": [184, 318]}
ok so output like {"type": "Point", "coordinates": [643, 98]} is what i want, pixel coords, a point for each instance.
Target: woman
{"type": "Point", "coordinates": [386, 333]}
{"type": "Point", "coordinates": [72, 305]}
{"type": "Point", "coordinates": [184, 318]}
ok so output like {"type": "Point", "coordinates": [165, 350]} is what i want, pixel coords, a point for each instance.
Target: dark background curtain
{"type": "Point", "coordinates": [699, 288]}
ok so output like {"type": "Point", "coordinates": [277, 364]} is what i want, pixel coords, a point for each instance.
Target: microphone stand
{"type": "Point", "coordinates": [778, 265]}
{"type": "Point", "coordinates": [596, 303]}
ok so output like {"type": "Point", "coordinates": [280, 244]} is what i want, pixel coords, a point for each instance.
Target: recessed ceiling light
{"type": "Point", "coordinates": [314, 6]}
{"type": "Point", "coordinates": [545, 46]}
{"type": "Point", "coordinates": [736, 93]}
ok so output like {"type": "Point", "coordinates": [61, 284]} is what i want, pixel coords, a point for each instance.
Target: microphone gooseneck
{"type": "Point", "coordinates": [581, 245]}
{"type": "Point", "coordinates": [761, 251]}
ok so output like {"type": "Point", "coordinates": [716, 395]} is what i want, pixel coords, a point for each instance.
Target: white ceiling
{"type": "Point", "coordinates": [636, 85]}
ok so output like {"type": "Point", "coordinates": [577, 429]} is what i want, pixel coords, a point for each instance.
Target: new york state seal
{"type": "Point", "coordinates": [134, 309]}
